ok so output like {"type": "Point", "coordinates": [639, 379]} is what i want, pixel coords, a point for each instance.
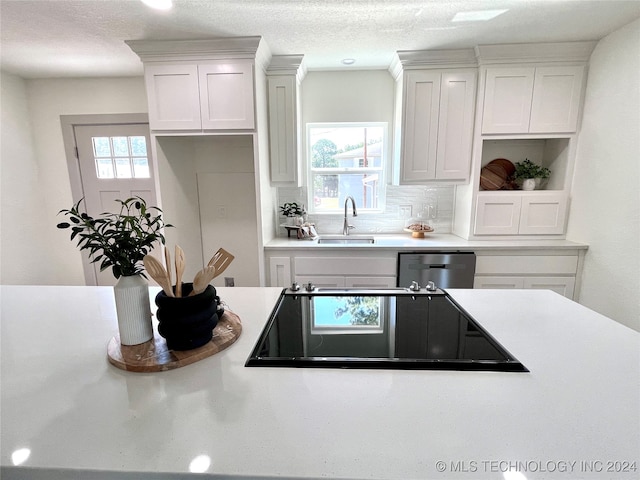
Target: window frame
{"type": "Point", "coordinates": [381, 170]}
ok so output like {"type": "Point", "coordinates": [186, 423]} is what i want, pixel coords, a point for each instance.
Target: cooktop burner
{"type": "Point", "coordinates": [391, 328]}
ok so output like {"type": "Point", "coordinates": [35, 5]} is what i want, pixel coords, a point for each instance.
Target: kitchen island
{"type": "Point", "coordinates": [68, 413]}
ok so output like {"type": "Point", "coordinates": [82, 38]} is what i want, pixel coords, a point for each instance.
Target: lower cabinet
{"type": "Point", "coordinates": [530, 270]}
{"type": "Point", "coordinates": [334, 269]}
{"type": "Point", "coordinates": [563, 285]}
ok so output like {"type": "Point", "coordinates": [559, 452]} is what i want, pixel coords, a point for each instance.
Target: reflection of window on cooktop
{"type": "Point", "coordinates": [370, 329]}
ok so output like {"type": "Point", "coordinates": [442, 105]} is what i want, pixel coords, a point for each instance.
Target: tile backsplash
{"type": "Point", "coordinates": [402, 203]}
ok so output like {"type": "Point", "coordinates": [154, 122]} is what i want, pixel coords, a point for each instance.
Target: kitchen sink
{"type": "Point", "coordinates": [346, 239]}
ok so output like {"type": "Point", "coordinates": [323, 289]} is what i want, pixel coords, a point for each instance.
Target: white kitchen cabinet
{"type": "Point", "coordinates": [284, 76]}
{"type": "Point", "coordinates": [212, 96]}
{"type": "Point", "coordinates": [337, 268]}
{"type": "Point", "coordinates": [521, 213]}
{"type": "Point", "coordinates": [173, 96]}
{"type": "Point", "coordinates": [532, 99]}
{"type": "Point", "coordinates": [498, 214]}
{"type": "Point", "coordinates": [438, 111]}
{"type": "Point", "coordinates": [528, 270]}
{"type": "Point", "coordinates": [226, 95]}
{"type": "Point", "coordinates": [562, 285]}
{"type": "Point", "coordinates": [280, 271]}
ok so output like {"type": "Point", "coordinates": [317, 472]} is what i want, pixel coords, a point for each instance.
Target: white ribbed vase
{"type": "Point", "coordinates": [133, 310]}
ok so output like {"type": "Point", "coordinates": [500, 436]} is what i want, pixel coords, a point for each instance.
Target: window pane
{"type": "Point", "coordinates": [346, 159]}
{"type": "Point", "coordinates": [331, 191]}
{"type": "Point", "coordinates": [101, 147]}
{"type": "Point", "coordinates": [141, 167]}
{"type": "Point", "coordinates": [123, 168]}
{"type": "Point", "coordinates": [104, 167]}
{"type": "Point", "coordinates": [120, 146]}
{"type": "Point", "coordinates": [138, 146]}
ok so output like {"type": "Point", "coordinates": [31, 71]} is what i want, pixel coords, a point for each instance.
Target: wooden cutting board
{"type": "Point", "coordinates": [154, 356]}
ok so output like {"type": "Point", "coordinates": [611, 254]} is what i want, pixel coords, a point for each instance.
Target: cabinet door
{"type": "Point", "coordinates": [507, 100]}
{"type": "Point", "coordinates": [562, 285]}
{"type": "Point", "coordinates": [226, 96]}
{"type": "Point", "coordinates": [280, 272]}
{"type": "Point", "coordinates": [283, 128]}
{"type": "Point", "coordinates": [543, 214]}
{"type": "Point", "coordinates": [419, 142]}
{"type": "Point", "coordinates": [557, 92]}
{"type": "Point", "coordinates": [455, 125]}
{"type": "Point", "coordinates": [172, 93]}
{"type": "Point", "coordinates": [497, 214]}
{"type": "Point", "coordinates": [498, 282]}
{"type": "Point", "coordinates": [370, 282]}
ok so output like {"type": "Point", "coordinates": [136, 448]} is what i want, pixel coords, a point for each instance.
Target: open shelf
{"type": "Point", "coordinates": [552, 153]}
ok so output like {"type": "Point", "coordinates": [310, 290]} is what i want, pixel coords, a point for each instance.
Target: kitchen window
{"type": "Point", "coordinates": [346, 159]}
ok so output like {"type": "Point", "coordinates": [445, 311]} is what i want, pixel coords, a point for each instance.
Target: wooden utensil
{"type": "Point", "coordinates": [220, 261]}
{"type": "Point", "coordinates": [167, 263]}
{"type": "Point", "coordinates": [179, 270]}
{"type": "Point", "coordinates": [157, 271]}
{"type": "Point", "coordinates": [202, 279]}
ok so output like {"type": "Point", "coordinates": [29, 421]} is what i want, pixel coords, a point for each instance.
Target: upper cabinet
{"type": "Point", "coordinates": [284, 76]}
{"type": "Point", "coordinates": [196, 85]}
{"type": "Point", "coordinates": [532, 99]}
{"type": "Point", "coordinates": [438, 104]}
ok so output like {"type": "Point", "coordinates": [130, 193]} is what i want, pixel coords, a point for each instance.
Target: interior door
{"type": "Point", "coordinates": [115, 163]}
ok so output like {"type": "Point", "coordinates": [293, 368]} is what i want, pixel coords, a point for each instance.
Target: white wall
{"type": "Point", "coordinates": [23, 202]}
{"type": "Point", "coordinates": [35, 182]}
{"type": "Point", "coordinates": [605, 208]}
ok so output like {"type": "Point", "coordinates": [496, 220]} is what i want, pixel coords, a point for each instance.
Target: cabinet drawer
{"type": "Point", "coordinates": [498, 282]}
{"type": "Point", "coordinates": [562, 285]}
{"type": "Point", "coordinates": [345, 266]}
{"type": "Point", "coordinates": [520, 264]}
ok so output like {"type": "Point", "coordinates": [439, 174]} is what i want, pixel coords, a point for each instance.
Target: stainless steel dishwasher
{"type": "Point", "coordinates": [446, 270]}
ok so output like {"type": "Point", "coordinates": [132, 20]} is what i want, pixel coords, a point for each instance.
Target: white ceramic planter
{"type": "Point", "coordinates": [529, 184]}
{"type": "Point", "coordinates": [133, 310]}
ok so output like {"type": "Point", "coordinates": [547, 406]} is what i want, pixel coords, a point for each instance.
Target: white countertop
{"type": "Point", "coordinates": [577, 410]}
{"type": "Point", "coordinates": [433, 241]}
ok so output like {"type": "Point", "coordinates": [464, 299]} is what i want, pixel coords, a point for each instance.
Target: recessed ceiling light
{"type": "Point", "coordinates": [348, 61]}
{"type": "Point", "coordinates": [158, 4]}
{"type": "Point", "coordinates": [477, 16]}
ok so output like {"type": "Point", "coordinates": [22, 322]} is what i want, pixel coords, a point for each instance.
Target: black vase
{"type": "Point", "coordinates": [188, 322]}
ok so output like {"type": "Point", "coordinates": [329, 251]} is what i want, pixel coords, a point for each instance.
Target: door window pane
{"type": "Point", "coordinates": [101, 147]}
{"type": "Point", "coordinates": [104, 167]}
{"type": "Point", "coordinates": [141, 168]}
{"type": "Point", "coordinates": [120, 146]}
{"type": "Point", "coordinates": [123, 167]}
{"type": "Point", "coordinates": [138, 146]}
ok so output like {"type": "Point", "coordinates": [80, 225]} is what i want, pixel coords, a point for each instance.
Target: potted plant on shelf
{"type": "Point", "coordinates": [530, 174]}
{"type": "Point", "coordinates": [120, 241]}
{"type": "Point", "coordinates": [294, 213]}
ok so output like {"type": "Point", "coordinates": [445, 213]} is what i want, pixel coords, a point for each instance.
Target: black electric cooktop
{"type": "Point", "coordinates": [381, 329]}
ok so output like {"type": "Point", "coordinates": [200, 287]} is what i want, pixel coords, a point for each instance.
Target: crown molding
{"type": "Point", "coordinates": [421, 59]}
{"type": "Point", "coordinates": [204, 49]}
{"type": "Point", "coordinates": [535, 52]}
{"type": "Point", "coordinates": [287, 65]}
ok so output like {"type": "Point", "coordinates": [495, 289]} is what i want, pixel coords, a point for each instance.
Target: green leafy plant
{"type": "Point", "coordinates": [117, 240]}
{"type": "Point", "coordinates": [528, 169]}
{"type": "Point", "coordinates": [292, 209]}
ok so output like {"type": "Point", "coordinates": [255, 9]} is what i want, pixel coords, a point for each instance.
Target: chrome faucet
{"type": "Point", "coordinates": [346, 227]}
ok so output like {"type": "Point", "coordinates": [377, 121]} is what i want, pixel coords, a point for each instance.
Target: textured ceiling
{"type": "Point", "coordinates": [77, 38]}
